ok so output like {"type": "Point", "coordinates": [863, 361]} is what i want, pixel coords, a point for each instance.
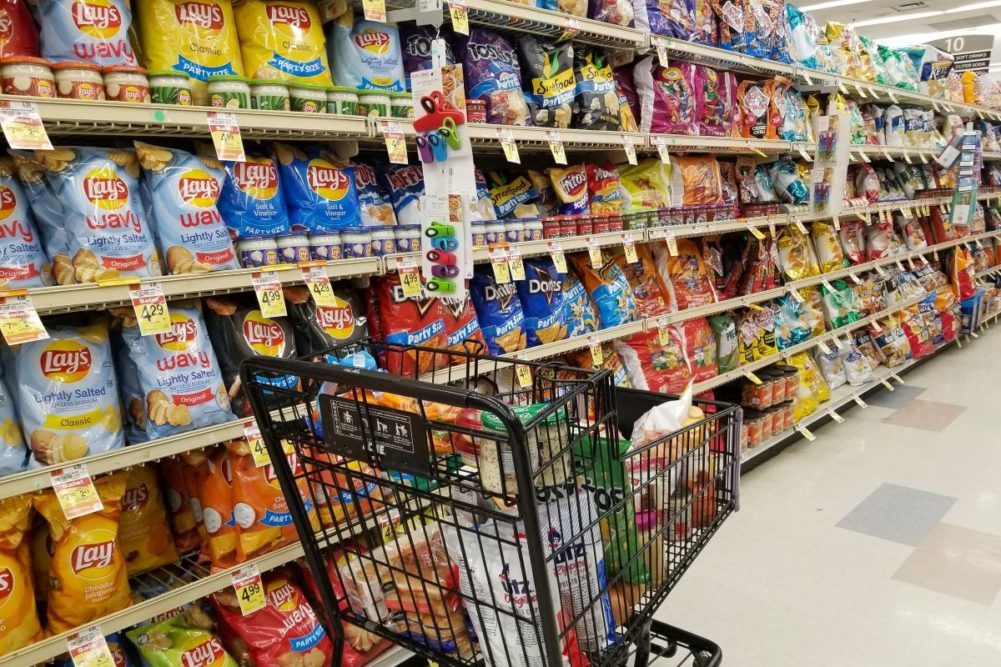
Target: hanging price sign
{"type": "Point", "coordinates": [661, 143]}
{"type": "Point", "coordinates": [836, 417]}
{"type": "Point", "coordinates": [570, 30]}
{"type": "Point", "coordinates": [629, 146]}
{"type": "Point", "coordinates": [799, 225]}
{"type": "Point", "coordinates": [629, 249]}
{"type": "Point", "coordinates": [855, 279]}
{"type": "Point", "coordinates": [269, 294]}
{"type": "Point", "coordinates": [375, 10]}
{"type": "Point", "coordinates": [396, 143]}
{"type": "Point", "coordinates": [752, 377]}
{"type": "Point", "coordinates": [887, 155]}
{"type": "Point", "coordinates": [796, 295]}
{"type": "Point", "coordinates": [88, 648]}
{"type": "Point", "coordinates": [756, 233]}
{"type": "Point", "coordinates": [523, 372]}
{"type": "Point", "coordinates": [672, 245]}
{"type": "Point", "coordinates": [506, 138]}
{"type": "Point", "coordinates": [806, 433]}
{"type": "Point", "coordinates": [597, 354]}
{"type": "Point", "coordinates": [515, 264]}
{"type": "Point", "coordinates": [860, 91]}
{"type": "Point", "coordinates": [150, 306]}
{"type": "Point", "coordinates": [410, 279]}
{"type": "Point", "coordinates": [255, 441]}
{"type": "Point", "coordinates": [837, 223]}
{"type": "Point", "coordinates": [556, 147]}
{"type": "Point", "coordinates": [559, 259]}
{"type": "Point", "coordinates": [594, 252]}
{"type": "Point", "coordinates": [249, 589]}
{"type": "Point", "coordinates": [459, 13]}
{"type": "Point", "coordinates": [803, 154]}
{"type": "Point", "coordinates": [318, 283]}
{"type": "Point", "coordinates": [22, 126]}
{"type": "Point", "coordinates": [502, 271]}
{"type": "Point", "coordinates": [225, 130]}
{"type": "Point", "coordinates": [893, 98]}
{"type": "Point", "coordinates": [75, 491]}
{"type": "Point", "coordinates": [859, 402]}
{"type": "Point", "coordinates": [663, 333]}
{"type": "Point", "coordinates": [19, 321]}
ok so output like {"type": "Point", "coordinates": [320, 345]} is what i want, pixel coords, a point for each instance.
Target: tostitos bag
{"type": "Point", "coordinates": [282, 40]}
{"type": "Point", "coordinates": [365, 54]}
{"type": "Point", "coordinates": [608, 288]}
{"type": "Point", "coordinates": [143, 533]}
{"type": "Point", "coordinates": [492, 73]}
{"type": "Point", "coordinates": [320, 192]}
{"type": "Point", "coordinates": [252, 202]}
{"type": "Point", "coordinates": [183, 190]}
{"type": "Point", "coordinates": [22, 261]}
{"type": "Point", "coordinates": [94, 31]}
{"type": "Point", "coordinates": [19, 626]}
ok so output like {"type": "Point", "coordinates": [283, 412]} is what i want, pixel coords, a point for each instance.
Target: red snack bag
{"type": "Point", "coordinates": [18, 36]}
{"type": "Point", "coordinates": [852, 239]}
{"type": "Point", "coordinates": [285, 631]}
{"type": "Point", "coordinates": [462, 329]}
{"type": "Point", "coordinates": [653, 366]}
{"type": "Point", "coordinates": [961, 274]}
{"type": "Point", "coordinates": [685, 275]}
{"type": "Point", "coordinates": [417, 321]}
{"type": "Point", "coordinates": [700, 348]}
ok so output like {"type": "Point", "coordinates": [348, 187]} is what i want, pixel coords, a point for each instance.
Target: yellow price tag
{"type": "Point", "coordinates": [269, 294]}
{"type": "Point", "coordinates": [75, 491]}
{"type": "Point", "coordinates": [22, 126]}
{"type": "Point", "coordinates": [459, 13]}
{"type": "Point", "coordinates": [255, 441]}
{"type": "Point", "coordinates": [597, 354]}
{"type": "Point", "coordinates": [319, 286]}
{"type": "Point", "coordinates": [594, 252]}
{"type": "Point", "coordinates": [672, 245]}
{"type": "Point", "coordinates": [375, 10]}
{"type": "Point", "coordinates": [800, 226]}
{"type": "Point", "coordinates": [506, 138]}
{"type": "Point", "coordinates": [752, 377]}
{"type": "Point", "coordinates": [556, 147]}
{"type": "Point", "coordinates": [225, 130]}
{"type": "Point", "coordinates": [150, 306]}
{"type": "Point", "coordinates": [629, 146]}
{"type": "Point", "coordinates": [396, 143]}
{"type": "Point", "coordinates": [515, 264]}
{"type": "Point", "coordinates": [663, 333]}
{"type": "Point", "coordinates": [837, 223]}
{"type": "Point", "coordinates": [410, 278]}
{"type": "Point", "coordinates": [629, 249]}
{"type": "Point", "coordinates": [524, 374]}
{"type": "Point", "coordinates": [502, 270]}
{"type": "Point", "coordinates": [756, 233]}
{"type": "Point", "coordinates": [249, 589]}
{"type": "Point", "coordinates": [19, 321]}
{"type": "Point", "coordinates": [556, 254]}
{"type": "Point", "coordinates": [88, 648]}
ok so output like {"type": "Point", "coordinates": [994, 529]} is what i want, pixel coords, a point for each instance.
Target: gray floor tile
{"type": "Point", "coordinates": [898, 513]}
{"type": "Point", "coordinates": [956, 561]}
{"type": "Point", "coordinates": [926, 415]}
{"type": "Point", "coordinates": [901, 395]}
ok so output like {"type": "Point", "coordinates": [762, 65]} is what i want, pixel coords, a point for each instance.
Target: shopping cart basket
{"type": "Point", "coordinates": [481, 508]}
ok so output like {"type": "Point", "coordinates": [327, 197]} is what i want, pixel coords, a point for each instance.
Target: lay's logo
{"type": "Point", "coordinates": [66, 361]}
{"type": "Point", "coordinates": [199, 14]}
{"type": "Point", "coordinates": [8, 202]}
{"type": "Point", "coordinates": [95, 555]}
{"type": "Point", "coordinates": [326, 180]}
{"type": "Point", "coordinates": [296, 17]}
{"type": "Point", "coordinates": [373, 40]}
{"type": "Point", "coordinates": [197, 187]}
{"type": "Point", "coordinates": [258, 178]}
{"type": "Point", "coordinates": [339, 321]}
{"type": "Point", "coordinates": [271, 477]}
{"type": "Point", "coordinates": [135, 498]}
{"type": "Point", "coordinates": [282, 595]}
{"type": "Point", "coordinates": [6, 584]}
{"type": "Point", "coordinates": [183, 331]}
{"type": "Point", "coordinates": [208, 653]}
{"type": "Point", "coordinates": [104, 189]}
{"type": "Point", "coordinates": [97, 18]}
{"type": "Point", "coordinates": [263, 335]}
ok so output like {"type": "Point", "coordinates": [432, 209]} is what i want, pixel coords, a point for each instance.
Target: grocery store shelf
{"type": "Point", "coordinates": [717, 57]}
{"type": "Point", "coordinates": [733, 145]}
{"type": "Point", "coordinates": [529, 19]}
{"type": "Point", "coordinates": [536, 138]}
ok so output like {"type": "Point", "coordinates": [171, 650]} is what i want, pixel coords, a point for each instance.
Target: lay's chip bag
{"type": "Point", "coordinates": [179, 374]}
{"type": "Point", "coordinates": [214, 489]}
{"type": "Point", "coordinates": [87, 577]}
{"type": "Point", "coordinates": [609, 290]}
{"type": "Point", "coordinates": [48, 213]}
{"type": "Point", "coordinates": [175, 643]}
{"type": "Point", "coordinates": [546, 317]}
{"type": "Point", "coordinates": [365, 54]}
{"type": "Point", "coordinates": [68, 394]}
{"type": "Point", "coordinates": [183, 191]}
{"type": "Point", "coordinates": [252, 202]}
{"type": "Point", "coordinates": [22, 261]}
{"type": "Point", "coordinates": [376, 208]}
{"type": "Point", "coordinates": [319, 328]}
{"type": "Point", "coordinates": [179, 483]}
{"type": "Point", "coordinates": [19, 624]}
{"type": "Point", "coordinates": [282, 39]}
{"type": "Point", "coordinates": [319, 190]}
{"type": "Point", "coordinates": [192, 37]}
{"type": "Point", "coordinates": [498, 309]}
{"type": "Point", "coordinates": [107, 235]}
{"type": "Point", "coordinates": [143, 533]}
{"type": "Point", "coordinates": [94, 31]}
{"type": "Point", "coordinates": [13, 451]}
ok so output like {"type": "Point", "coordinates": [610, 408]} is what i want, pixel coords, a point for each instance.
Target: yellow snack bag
{"type": "Point", "coordinates": [282, 40]}
{"type": "Point", "coordinates": [195, 37]}
{"type": "Point", "coordinates": [87, 577]}
{"type": "Point", "coordinates": [19, 624]}
{"type": "Point", "coordinates": [143, 533]}
{"type": "Point", "coordinates": [812, 387]}
{"type": "Point", "coordinates": [645, 186]}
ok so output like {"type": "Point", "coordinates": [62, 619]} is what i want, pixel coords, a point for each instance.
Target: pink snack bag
{"type": "Point", "coordinates": [716, 101]}
{"type": "Point", "coordinates": [666, 96]}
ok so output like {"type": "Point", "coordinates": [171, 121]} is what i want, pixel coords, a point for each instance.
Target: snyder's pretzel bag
{"type": "Point", "coordinates": [22, 260]}
{"type": "Point", "coordinates": [87, 577]}
{"type": "Point", "coordinates": [179, 375]}
{"type": "Point", "coordinates": [96, 203]}
{"type": "Point", "coordinates": [174, 642]}
{"type": "Point", "coordinates": [18, 618]}
{"type": "Point", "coordinates": [321, 194]}
{"type": "Point", "coordinates": [67, 394]}
{"type": "Point", "coordinates": [143, 533]}
{"type": "Point", "coordinates": [183, 190]}
{"type": "Point", "coordinates": [95, 31]}
{"type": "Point", "coordinates": [547, 70]}
{"type": "Point", "coordinates": [365, 54]}
{"type": "Point", "coordinates": [282, 40]}
{"type": "Point", "coordinates": [252, 202]}
{"type": "Point", "coordinates": [490, 67]}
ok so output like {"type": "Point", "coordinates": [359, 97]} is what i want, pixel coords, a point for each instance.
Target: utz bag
{"type": "Point", "coordinates": [375, 207]}
{"type": "Point", "coordinates": [67, 394]}
{"type": "Point", "coordinates": [365, 54]}
{"type": "Point", "coordinates": [407, 321]}
{"type": "Point", "coordinates": [319, 328]}
{"type": "Point", "coordinates": [405, 184]}
{"type": "Point", "coordinates": [319, 191]}
{"type": "Point", "coordinates": [183, 190]}
{"type": "Point", "coordinates": [499, 311]}
{"type": "Point", "coordinates": [17, 607]}
{"type": "Point", "coordinates": [252, 202]}
{"type": "Point", "coordinates": [667, 97]}
{"type": "Point", "coordinates": [99, 211]}
{"type": "Point", "coordinates": [282, 40]}
{"type": "Point", "coordinates": [546, 318]}
{"type": "Point", "coordinates": [608, 288]}
{"type": "Point", "coordinates": [492, 74]}
{"type": "Point", "coordinates": [179, 375]}
{"type": "Point", "coordinates": [94, 31]}
{"type": "Point", "coordinates": [22, 261]}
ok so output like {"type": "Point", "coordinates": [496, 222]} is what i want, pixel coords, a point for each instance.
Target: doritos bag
{"type": "Point", "coordinates": [214, 485]}
{"type": "Point", "coordinates": [654, 367]}
{"type": "Point", "coordinates": [608, 288]}
{"type": "Point", "coordinates": [408, 321]}
{"type": "Point", "coordinates": [462, 329]}
{"type": "Point", "coordinates": [87, 574]}
{"type": "Point", "coordinates": [175, 643]}
{"type": "Point", "coordinates": [685, 275]}
{"type": "Point", "coordinates": [19, 626]}
{"type": "Point", "coordinates": [546, 318]}
{"type": "Point", "coordinates": [498, 310]}
{"type": "Point", "coordinates": [143, 533]}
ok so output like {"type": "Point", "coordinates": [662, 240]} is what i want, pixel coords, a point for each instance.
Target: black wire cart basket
{"type": "Point", "coordinates": [477, 509]}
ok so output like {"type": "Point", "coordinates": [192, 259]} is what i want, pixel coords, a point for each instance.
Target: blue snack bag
{"type": "Point", "coordinates": [580, 311]}
{"type": "Point", "coordinates": [499, 311]}
{"type": "Point", "coordinates": [365, 54]}
{"type": "Point", "coordinates": [321, 196]}
{"type": "Point", "coordinates": [22, 261]}
{"type": "Point", "coordinates": [252, 201]}
{"type": "Point", "coordinates": [13, 451]}
{"type": "Point", "coordinates": [609, 289]}
{"type": "Point", "coordinates": [405, 184]}
{"type": "Point", "coordinates": [92, 31]}
{"type": "Point", "coordinates": [542, 302]}
{"type": "Point", "coordinates": [376, 209]}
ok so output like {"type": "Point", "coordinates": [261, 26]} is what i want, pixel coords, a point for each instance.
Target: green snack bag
{"type": "Point", "coordinates": [173, 642]}
{"type": "Point", "coordinates": [727, 354]}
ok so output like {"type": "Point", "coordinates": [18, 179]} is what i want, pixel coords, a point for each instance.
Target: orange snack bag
{"type": "Point", "coordinates": [214, 481]}
{"type": "Point", "coordinates": [685, 275]}
{"type": "Point", "coordinates": [87, 577]}
{"type": "Point", "coordinates": [340, 497]}
{"type": "Point", "coordinates": [649, 290]}
{"type": "Point", "coordinates": [143, 532]}
{"type": "Point", "coordinates": [181, 495]}
{"type": "Point", "coordinates": [19, 624]}
{"type": "Point", "coordinates": [695, 181]}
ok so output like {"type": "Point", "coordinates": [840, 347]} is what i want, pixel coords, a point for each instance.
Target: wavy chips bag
{"type": "Point", "coordinates": [22, 260]}
{"type": "Point", "coordinates": [282, 40]}
{"type": "Point", "coordinates": [95, 31]}
{"type": "Point", "coordinates": [19, 624]}
{"type": "Point", "coordinates": [143, 533]}
{"type": "Point", "coordinates": [87, 576]}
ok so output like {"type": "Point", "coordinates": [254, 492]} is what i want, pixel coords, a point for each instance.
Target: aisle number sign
{"type": "Point", "coordinates": [150, 306]}
{"type": "Point", "coordinates": [22, 126]}
{"type": "Point", "coordinates": [75, 491]}
{"type": "Point", "coordinates": [249, 589]}
{"type": "Point", "coordinates": [88, 648]}
{"type": "Point", "coordinates": [269, 294]}
{"type": "Point", "coordinates": [19, 321]}
{"type": "Point", "coordinates": [225, 130]}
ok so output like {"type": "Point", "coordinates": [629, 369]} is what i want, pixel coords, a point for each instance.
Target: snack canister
{"type": "Point", "coordinates": [383, 241]}
{"type": "Point", "coordinates": [293, 249]}
{"type": "Point", "coordinates": [308, 99]}
{"type": "Point", "coordinates": [585, 225]}
{"type": "Point", "coordinates": [408, 237]}
{"type": "Point", "coordinates": [551, 228]}
{"type": "Point", "coordinates": [356, 242]}
{"type": "Point", "coordinates": [257, 252]}
{"type": "Point", "coordinates": [401, 105]}
{"type": "Point", "coordinates": [267, 95]}
{"type": "Point", "coordinates": [342, 100]}
{"type": "Point", "coordinates": [229, 92]}
{"type": "Point", "coordinates": [27, 76]}
{"type": "Point", "coordinates": [568, 225]}
{"type": "Point", "coordinates": [373, 102]}
{"type": "Point", "coordinates": [325, 247]}
{"type": "Point", "coordinates": [129, 84]}
{"type": "Point", "coordinates": [479, 233]}
{"type": "Point", "coordinates": [169, 87]}
{"type": "Point", "coordinates": [601, 223]}
{"type": "Point", "coordinates": [495, 232]}
{"type": "Point", "coordinates": [514, 231]}
{"type": "Point", "coordinates": [533, 230]}
{"type": "Point", "coordinates": [78, 81]}
{"type": "Point", "coordinates": [476, 111]}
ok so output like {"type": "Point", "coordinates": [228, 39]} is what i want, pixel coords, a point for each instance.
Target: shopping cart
{"type": "Point", "coordinates": [475, 508]}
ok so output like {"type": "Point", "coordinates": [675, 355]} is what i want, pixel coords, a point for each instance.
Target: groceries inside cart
{"type": "Point", "coordinates": [484, 510]}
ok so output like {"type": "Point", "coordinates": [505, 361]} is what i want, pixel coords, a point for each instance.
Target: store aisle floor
{"type": "Point", "coordinates": [877, 545]}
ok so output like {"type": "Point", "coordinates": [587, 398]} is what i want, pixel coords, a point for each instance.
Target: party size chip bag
{"type": "Point", "coordinates": [492, 73]}
{"type": "Point", "coordinates": [252, 202]}
{"type": "Point", "coordinates": [320, 191]}
{"type": "Point", "coordinates": [405, 184]}
{"type": "Point", "coordinates": [175, 642]}
{"type": "Point", "coordinates": [499, 311]}
{"type": "Point", "coordinates": [548, 73]}
{"type": "Point", "coordinates": [143, 533]}
{"type": "Point", "coordinates": [365, 54]}
{"type": "Point", "coordinates": [541, 294]}
{"type": "Point", "coordinates": [214, 491]}
{"type": "Point", "coordinates": [282, 40]}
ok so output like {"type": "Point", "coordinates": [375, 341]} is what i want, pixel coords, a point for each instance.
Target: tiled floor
{"type": "Point", "coordinates": [877, 545]}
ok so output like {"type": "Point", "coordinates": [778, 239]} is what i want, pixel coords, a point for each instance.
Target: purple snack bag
{"type": "Point", "coordinates": [492, 74]}
{"type": "Point", "coordinates": [716, 101]}
{"type": "Point", "coordinates": [674, 18]}
{"type": "Point", "coordinates": [416, 46]}
{"type": "Point", "coordinates": [624, 79]}
{"type": "Point", "coordinates": [705, 23]}
{"type": "Point", "coordinates": [666, 97]}
{"type": "Point", "coordinates": [616, 12]}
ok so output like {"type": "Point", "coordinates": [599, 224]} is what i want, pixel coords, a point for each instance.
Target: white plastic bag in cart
{"type": "Point", "coordinates": [666, 418]}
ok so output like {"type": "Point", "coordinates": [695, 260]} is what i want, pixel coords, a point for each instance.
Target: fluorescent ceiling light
{"type": "Point", "coordinates": [975, 6]}
{"type": "Point", "coordinates": [832, 3]}
{"type": "Point", "coordinates": [896, 19]}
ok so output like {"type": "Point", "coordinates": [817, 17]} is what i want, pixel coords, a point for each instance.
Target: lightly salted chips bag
{"type": "Point", "coordinates": [542, 302]}
{"type": "Point", "coordinates": [320, 192]}
{"type": "Point", "coordinates": [365, 54]}
{"type": "Point", "coordinates": [183, 190]}
{"type": "Point", "coordinates": [48, 213]}
{"type": "Point", "coordinates": [176, 642]}
{"type": "Point", "coordinates": [96, 209]}
{"type": "Point", "coordinates": [87, 560]}
{"type": "Point", "coordinates": [143, 533]}
{"type": "Point", "coordinates": [498, 309]}
{"type": "Point", "coordinates": [179, 374]}
{"type": "Point", "coordinates": [252, 201]}
{"type": "Point", "coordinates": [18, 615]}
{"type": "Point", "coordinates": [67, 394]}
{"type": "Point", "coordinates": [93, 31]}
{"type": "Point", "coordinates": [22, 261]}
{"type": "Point", "coordinates": [283, 41]}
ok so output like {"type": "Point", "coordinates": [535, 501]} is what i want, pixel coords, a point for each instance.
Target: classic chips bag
{"type": "Point", "coordinates": [183, 191]}
{"type": "Point", "coordinates": [143, 534]}
{"type": "Point", "coordinates": [252, 202]}
{"type": "Point", "coordinates": [365, 54]}
{"type": "Point", "coordinates": [498, 309]}
{"type": "Point", "coordinates": [18, 618]}
{"type": "Point", "coordinates": [175, 643]}
{"type": "Point", "coordinates": [87, 574]}
{"type": "Point", "coordinates": [94, 31]}
{"type": "Point", "coordinates": [282, 40]}
{"type": "Point", "coordinates": [22, 261]}
{"type": "Point", "coordinates": [609, 290]}
{"type": "Point", "coordinates": [321, 195]}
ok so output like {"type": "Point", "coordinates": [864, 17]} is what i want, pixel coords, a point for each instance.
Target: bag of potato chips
{"type": "Point", "coordinates": [282, 40]}
{"type": "Point", "coordinates": [214, 484]}
{"type": "Point", "coordinates": [175, 643]}
{"type": "Point", "coordinates": [143, 533]}
{"type": "Point", "coordinates": [184, 511]}
{"type": "Point", "coordinates": [19, 624]}
{"type": "Point", "coordinates": [87, 577]}
{"type": "Point", "coordinates": [13, 452]}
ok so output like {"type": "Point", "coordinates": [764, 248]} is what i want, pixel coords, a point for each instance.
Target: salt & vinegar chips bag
{"type": "Point", "coordinates": [18, 618]}
{"type": "Point", "coordinates": [282, 40]}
